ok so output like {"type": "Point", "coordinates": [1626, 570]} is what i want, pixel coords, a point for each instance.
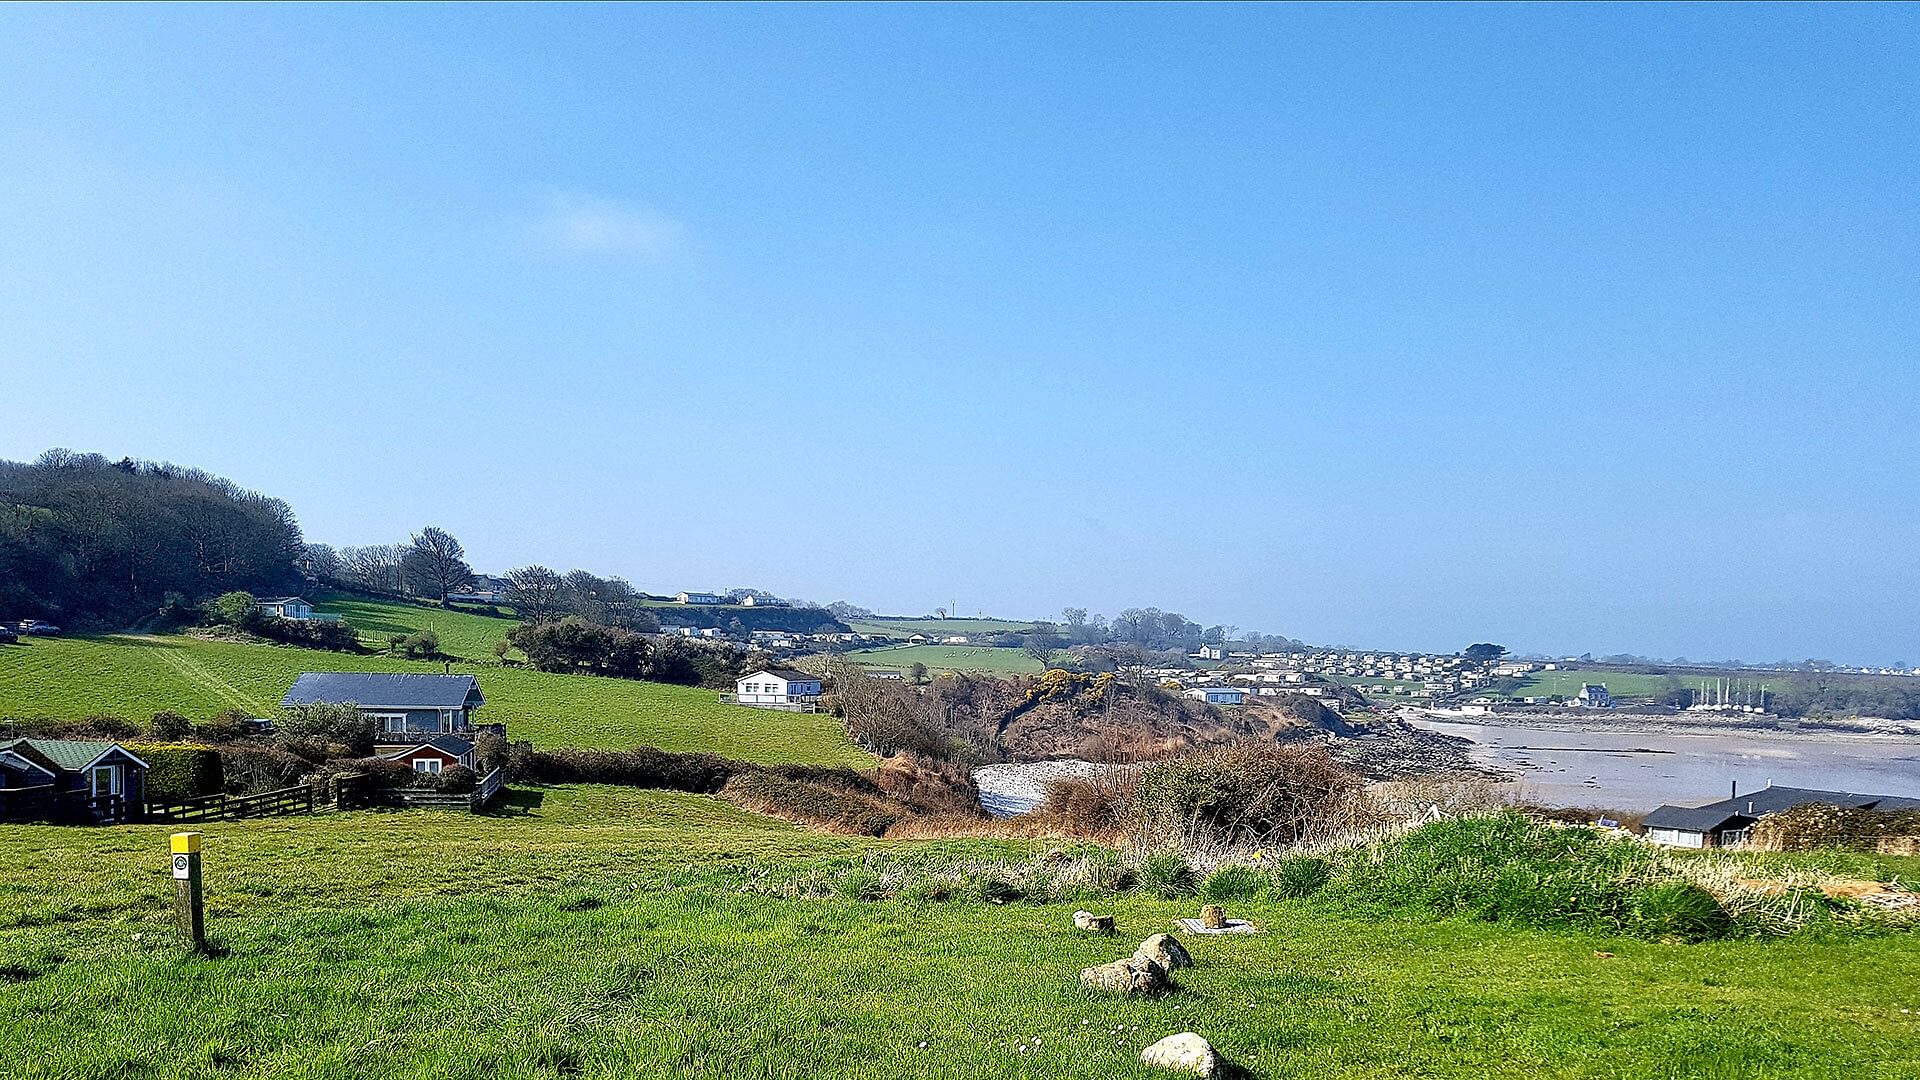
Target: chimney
{"type": "Point", "coordinates": [1735, 792]}
{"type": "Point", "coordinates": [1749, 807]}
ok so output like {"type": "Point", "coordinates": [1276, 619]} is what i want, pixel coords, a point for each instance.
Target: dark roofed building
{"type": "Point", "coordinates": [431, 756]}
{"type": "Point", "coordinates": [107, 777]}
{"type": "Point", "coordinates": [1729, 821]}
{"type": "Point", "coordinates": [407, 708]}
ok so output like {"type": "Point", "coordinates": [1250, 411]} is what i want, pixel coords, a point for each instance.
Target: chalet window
{"type": "Point", "coordinates": [430, 766]}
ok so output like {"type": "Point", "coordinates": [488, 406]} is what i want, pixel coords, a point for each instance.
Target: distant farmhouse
{"type": "Point", "coordinates": [1730, 821]}
{"type": "Point", "coordinates": [699, 598]}
{"type": "Point", "coordinates": [1595, 696]}
{"type": "Point", "coordinates": [483, 589]}
{"type": "Point", "coordinates": [777, 688]}
{"type": "Point", "coordinates": [1211, 652]}
{"type": "Point", "coordinates": [750, 600]}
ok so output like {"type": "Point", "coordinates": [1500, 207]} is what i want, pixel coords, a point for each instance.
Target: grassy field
{"type": "Point", "coordinates": [605, 932]}
{"type": "Point", "coordinates": [463, 634]}
{"type": "Point", "coordinates": [948, 658]}
{"type": "Point", "coordinates": [935, 627]}
{"type": "Point", "coordinates": [135, 677]}
{"type": "Point", "coordinates": [1620, 684]}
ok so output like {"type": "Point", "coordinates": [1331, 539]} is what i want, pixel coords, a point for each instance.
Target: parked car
{"type": "Point", "coordinates": [35, 626]}
{"type": "Point", "coordinates": [8, 635]}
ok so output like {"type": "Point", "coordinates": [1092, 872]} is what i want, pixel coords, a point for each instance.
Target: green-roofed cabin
{"type": "Point", "coordinates": [71, 779]}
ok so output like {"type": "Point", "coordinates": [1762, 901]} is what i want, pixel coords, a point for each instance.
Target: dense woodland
{"type": "Point", "coordinates": [85, 541]}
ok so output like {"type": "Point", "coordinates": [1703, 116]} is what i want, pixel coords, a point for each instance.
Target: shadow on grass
{"type": "Point", "coordinates": [516, 802]}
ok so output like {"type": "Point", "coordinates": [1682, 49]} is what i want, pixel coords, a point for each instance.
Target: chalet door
{"type": "Point", "coordinates": [106, 780]}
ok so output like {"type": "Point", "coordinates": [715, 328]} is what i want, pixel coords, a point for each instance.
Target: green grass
{"type": "Point", "coordinates": [904, 628]}
{"type": "Point", "coordinates": [136, 677]}
{"type": "Point", "coordinates": [606, 933]}
{"type": "Point", "coordinates": [1619, 684]}
{"type": "Point", "coordinates": [948, 658]}
{"type": "Point", "coordinates": [463, 634]}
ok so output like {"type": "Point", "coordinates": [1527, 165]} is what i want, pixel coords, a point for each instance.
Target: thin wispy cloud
{"type": "Point", "coordinates": [585, 224]}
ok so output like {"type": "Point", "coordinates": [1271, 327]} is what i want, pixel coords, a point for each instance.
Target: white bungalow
{"type": "Point", "coordinates": [777, 688]}
{"type": "Point", "coordinates": [1218, 695]}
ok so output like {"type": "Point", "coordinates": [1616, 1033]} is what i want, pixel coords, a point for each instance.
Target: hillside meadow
{"type": "Point", "coordinates": [466, 635]}
{"type": "Point", "coordinates": [1620, 684]}
{"type": "Point", "coordinates": [135, 677]}
{"type": "Point", "coordinates": [886, 626]}
{"type": "Point", "coordinates": [606, 932]}
{"type": "Point", "coordinates": [948, 658]}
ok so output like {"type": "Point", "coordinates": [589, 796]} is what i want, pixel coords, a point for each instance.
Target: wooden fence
{"type": "Point", "coordinates": [45, 803]}
{"type": "Point", "coordinates": [472, 801]}
{"type": "Point", "coordinates": [298, 799]}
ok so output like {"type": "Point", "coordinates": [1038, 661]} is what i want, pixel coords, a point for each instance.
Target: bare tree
{"type": "Point", "coordinates": [436, 564]}
{"type": "Point", "coordinates": [536, 592]}
{"type": "Point", "coordinates": [375, 568]}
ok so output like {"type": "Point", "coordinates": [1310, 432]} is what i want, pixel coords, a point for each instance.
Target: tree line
{"type": "Point", "coordinates": [85, 541]}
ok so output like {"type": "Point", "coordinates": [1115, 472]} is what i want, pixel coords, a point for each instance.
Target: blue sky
{"type": "Point", "coordinates": [1570, 328]}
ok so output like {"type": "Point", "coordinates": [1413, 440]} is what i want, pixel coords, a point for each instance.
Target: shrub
{"type": "Point", "coordinates": [489, 751]}
{"type": "Point", "coordinates": [1812, 826]}
{"type": "Point", "coordinates": [309, 633]}
{"type": "Point", "coordinates": [1246, 792]}
{"type": "Point", "coordinates": [170, 725]}
{"type": "Point", "coordinates": [646, 767]}
{"type": "Point", "coordinates": [1678, 909]}
{"type": "Point", "coordinates": [329, 722]}
{"type": "Point", "coordinates": [251, 767]}
{"type": "Point", "coordinates": [829, 799]}
{"type": "Point", "coordinates": [1233, 883]}
{"type": "Point", "coordinates": [1298, 876]}
{"type": "Point", "coordinates": [382, 773]}
{"type": "Point", "coordinates": [176, 772]}
{"type": "Point", "coordinates": [236, 609]}
{"type": "Point", "coordinates": [226, 727]}
{"type": "Point", "coordinates": [1166, 875]}
{"type": "Point", "coordinates": [928, 785]}
{"type": "Point", "coordinates": [111, 726]}
{"type": "Point", "coordinates": [309, 748]}
{"type": "Point", "coordinates": [1092, 807]}
{"type": "Point", "coordinates": [457, 780]}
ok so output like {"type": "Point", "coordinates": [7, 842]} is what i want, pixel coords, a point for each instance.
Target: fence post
{"type": "Point", "coordinates": [188, 915]}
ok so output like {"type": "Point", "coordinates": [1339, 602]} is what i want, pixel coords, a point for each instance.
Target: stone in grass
{"type": "Point", "coordinates": [1165, 950]}
{"type": "Point", "coordinates": [1087, 920]}
{"type": "Point", "coordinates": [1185, 1052]}
{"type": "Point", "coordinates": [1132, 976]}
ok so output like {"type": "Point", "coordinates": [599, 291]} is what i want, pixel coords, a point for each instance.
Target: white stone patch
{"type": "Point", "coordinates": [1020, 786]}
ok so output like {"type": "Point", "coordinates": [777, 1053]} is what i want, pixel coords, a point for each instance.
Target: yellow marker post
{"type": "Point", "coordinates": [187, 912]}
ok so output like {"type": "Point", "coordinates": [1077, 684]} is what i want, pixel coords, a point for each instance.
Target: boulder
{"type": "Point", "coordinates": [1087, 920]}
{"type": "Point", "coordinates": [1132, 976]}
{"type": "Point", "coordinates": [1165, 950]}
{"type": "Point", "coordinates": [1213, 917]}
{"type": "Point", "coordinates": [1185, 1052]}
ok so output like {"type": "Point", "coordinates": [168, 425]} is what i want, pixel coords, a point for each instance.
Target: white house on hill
{"type": "Point", "coordinates": [778, 688]}
{"type": "Point", "coordinates": [290, 607]}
